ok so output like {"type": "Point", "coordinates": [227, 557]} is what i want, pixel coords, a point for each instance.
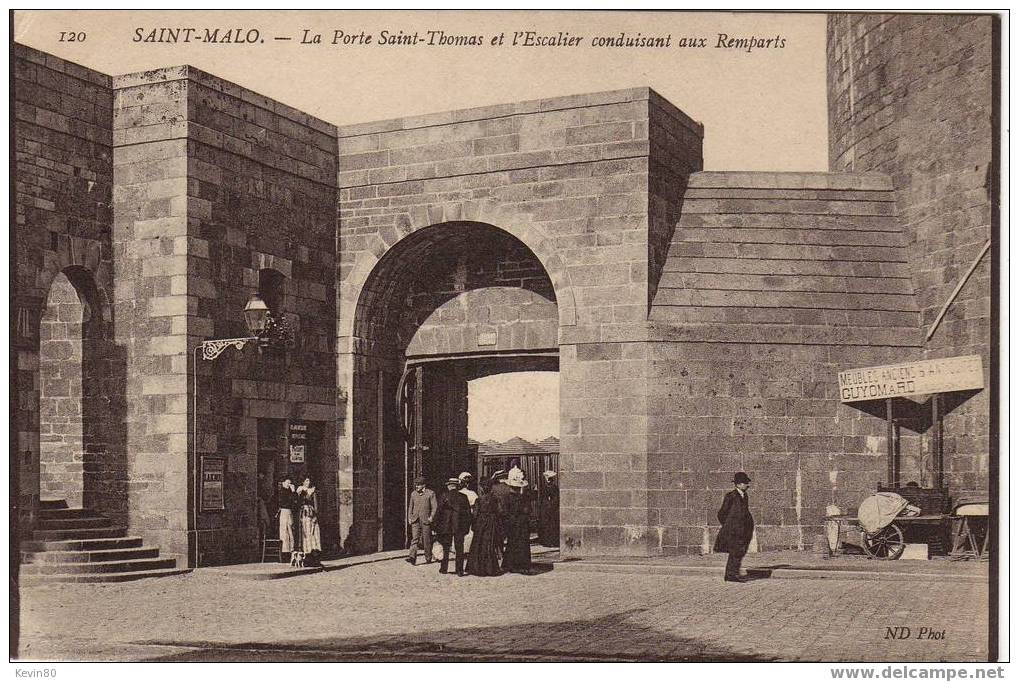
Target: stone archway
{"type": "Point", "coordinates": [454, 291]}
{"type": "Point", "coordinates": [61, 440]}
{"type": "Point", "coordinates": [81, 409]}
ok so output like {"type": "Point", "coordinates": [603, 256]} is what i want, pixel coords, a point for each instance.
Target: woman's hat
{"type": "Point", "coordinates": [499, 475]}
{"type": "Point", "coordinates": [453, 481]}
{"type": "Point", "coordinates": [419, 480]}
{"type": "Point", "coordinates": [549, 474]}
{"type": "Point", "coordinates": [465, 476]}
{"type": "Point", "coordinates": [740, 477]}
{"type": "Point", "coordinates": [516, 479]}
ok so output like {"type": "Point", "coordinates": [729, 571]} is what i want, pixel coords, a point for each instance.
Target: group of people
{"type": "Point", "coordinates": [298, 521]}
{"type": "Point", "coordinates": [497, 517]}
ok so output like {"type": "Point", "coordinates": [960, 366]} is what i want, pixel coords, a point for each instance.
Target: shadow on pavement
{"type": "Point", "coordinates": [616, 637]}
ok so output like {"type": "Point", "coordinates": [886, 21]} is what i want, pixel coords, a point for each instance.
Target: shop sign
{"type": "Point", "coordinates": [297, 438]}
{"type": "Point", "coordinates": [924, 377]}
{"type": "Point", "coordinates": [213, 480]}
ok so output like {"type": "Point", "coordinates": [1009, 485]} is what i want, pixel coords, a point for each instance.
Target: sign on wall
{"type": "Point", "coordinates": [911, 378]}
{"type": "Point", "coordinates": [213, 480]}
{"type": "Point", "coordinates": [297, 438]}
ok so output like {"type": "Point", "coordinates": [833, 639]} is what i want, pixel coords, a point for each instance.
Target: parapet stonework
{"type": "Point", "coordinates": [698, 319]}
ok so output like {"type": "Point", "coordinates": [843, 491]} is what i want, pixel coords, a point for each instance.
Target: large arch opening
{"type": "Point", "coordinates": [444, 306]}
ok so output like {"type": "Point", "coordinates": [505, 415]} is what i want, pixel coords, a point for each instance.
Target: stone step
{"type": "Point", "coordinates": [81, 557]}
{"type": "Point", "coordinates": [793, 206]}
{"type": "Point", "coordinates": [734, 332]}
{"type": "Point", "coordinates": [786, 236]}
{"type": "Point", "coordinates": [774, 266]}
{"type": "Point", "coordinates": [850, 254]}
{"type": "Point", "coordinates": [795, 180]}
{"type": "Point", "coordinates": [96, 544]}
{"type": "Point", "coordinates": [117, 566]}
{"type": "Point", "coordinates": [787, 193]}
{"type": "Point", "coordinates": [74, 523]}
{"type": "Point", "coordinates": [855, 319]}
{"type": "Point", "coordinates": [809, 283]}
{"type": "Point", "coordinates": [52, 504]}
{"type": "Point", "coordinates": [66, 513]}
{"type": "Point", "coordinates": [39, 579]}
{"type": "Point", "coordinates": [78, 534]}
{"type": "Point", "coordinates": [781, 221]}
{"type": "Point", "coordinates": [783, 299]}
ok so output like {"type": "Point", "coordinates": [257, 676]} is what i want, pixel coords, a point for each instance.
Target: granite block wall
{"type": "Point", "coordinates": [151, 254]}
{"type": "Point", "coordinates": [216, 185]}
{"type": "Point", "coordinates": [61, 121]}
{"type": "Point", "coordinates": [910, 95]}
{"type": "Point", "coordinates": [774, 282]}
{"type": "Point", "coordinates": [261, 196]}
{"type": "Point", "coordinates": [567, 177]}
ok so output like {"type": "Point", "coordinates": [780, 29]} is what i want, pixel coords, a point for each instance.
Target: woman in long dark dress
{"type": "Point", "coordinates": [311, 537]}
{"type": "Point", "coordinates": [548, 512]}
{"type": "Point", "coordinates": [516, 516]}
{"type": "Point", "coordinates": [486, 550]}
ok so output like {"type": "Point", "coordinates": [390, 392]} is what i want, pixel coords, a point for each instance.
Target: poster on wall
{"type": "Point", "coordinates": [297, 437]}
{"type": "Point", "coordinates": [213, 479]}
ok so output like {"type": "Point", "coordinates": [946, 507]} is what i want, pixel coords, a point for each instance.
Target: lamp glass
{"type": "Point", "coordinates": [256, 314]}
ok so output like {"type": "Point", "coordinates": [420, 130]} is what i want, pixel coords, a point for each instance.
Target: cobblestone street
{"type": "Point", "coordinates": [392, 611]}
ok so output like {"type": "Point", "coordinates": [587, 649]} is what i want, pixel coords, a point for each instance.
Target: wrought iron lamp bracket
{"type": "Point", "coordinates": [214, 348]}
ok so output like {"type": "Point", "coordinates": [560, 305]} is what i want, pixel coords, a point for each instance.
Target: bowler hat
{"type": "Point", "coordinates": [419, 480]}
{"type": "Point", "coordinates": [740, 477]}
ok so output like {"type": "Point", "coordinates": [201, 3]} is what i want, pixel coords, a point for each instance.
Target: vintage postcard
{"type": "Point", "coordinates": [507, 336]}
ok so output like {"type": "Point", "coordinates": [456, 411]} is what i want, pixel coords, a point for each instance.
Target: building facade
{"type": "Point", "coordinates": [698, 320]}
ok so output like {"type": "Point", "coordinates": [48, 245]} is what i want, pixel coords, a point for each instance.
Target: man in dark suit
{"type": "Point", "coordinates": [452, 523]}
{"type": "Point", "coordinates": [420, 513]}
{"type": "Point", "coordinates": [737, 526]}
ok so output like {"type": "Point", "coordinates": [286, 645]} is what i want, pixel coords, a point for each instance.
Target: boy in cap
{"type": "Point", "coordinates": [737, 526]}
{"type": "Point", "coordinates": [420, 513]}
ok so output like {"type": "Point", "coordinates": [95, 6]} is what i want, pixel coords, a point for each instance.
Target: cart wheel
{"type": "Point", "coordinates": [887, 543]}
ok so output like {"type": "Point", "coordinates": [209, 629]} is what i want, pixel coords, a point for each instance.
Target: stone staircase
{"type": "Point", "coordinates": [794, 257]}
{"type": "Point", "coordinates": [79, 545]}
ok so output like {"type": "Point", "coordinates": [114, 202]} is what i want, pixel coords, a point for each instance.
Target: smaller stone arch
{"type": "Point", "coordinates": [81, 374]}
{"type": "Point", "coordinates": [272, 287]}
{"type": "Point", "coordinates": [81, 261]}
{"type": "Point", "coordinates": [67, 318]}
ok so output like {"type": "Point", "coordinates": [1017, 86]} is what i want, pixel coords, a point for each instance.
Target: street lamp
{"type": "Point", "coordinates": [256, 317]}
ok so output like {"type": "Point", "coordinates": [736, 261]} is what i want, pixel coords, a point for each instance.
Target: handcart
{"type": "Point", "coordinates": [889, 542]}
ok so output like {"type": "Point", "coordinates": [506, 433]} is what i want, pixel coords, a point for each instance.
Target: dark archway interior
{"type": "Point", "coordinates": [82, 381]}
{"type": "Point", "coordinates": [433, 266]}
{"type": "Point", "coordinates": [447, 304]}
{"type": "Point", "coordinates": [61, 442]}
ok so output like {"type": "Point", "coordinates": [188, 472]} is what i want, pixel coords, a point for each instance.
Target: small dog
{"type": "Point", "coordinates": [297, 559]}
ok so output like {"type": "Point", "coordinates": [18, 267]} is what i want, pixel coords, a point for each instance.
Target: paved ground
{"type": "Point", "coordinates": [392, 611]}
